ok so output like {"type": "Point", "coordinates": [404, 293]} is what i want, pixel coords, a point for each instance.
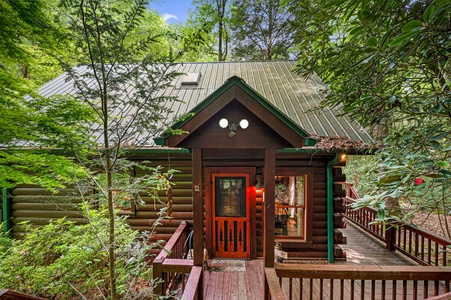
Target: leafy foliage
{"type": "Point", "coordinates": [213, 18]}
{"type": "Point", "coordinates": [359, 172]}
{"type": "Point", "coordinates": [261, 30]}
{"type": "Point", "coordinates": [387, 64]}
{"type": "Point", "coordinates": [121, 79]}
{"type": "Point", "coordinates": [29, 34]}
{"type": "Point", "coordinates": [65, 260]}
{"type": "Point", "coordinates": [244, 30]}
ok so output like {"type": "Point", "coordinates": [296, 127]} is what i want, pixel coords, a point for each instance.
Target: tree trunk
{"type": "Point", "coordinates": [220, 5]}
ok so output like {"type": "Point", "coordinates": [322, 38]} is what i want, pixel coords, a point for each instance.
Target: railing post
{"type": "Point", "coordinates": [390, 236]}
{"type": "Point", "coordinates": [158, 275]}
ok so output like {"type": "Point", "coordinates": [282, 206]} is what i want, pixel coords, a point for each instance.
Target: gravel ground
{"type": "Point", "coordinates": [431, 222]}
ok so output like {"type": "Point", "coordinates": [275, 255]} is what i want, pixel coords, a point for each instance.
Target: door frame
{"type": "Point", "coordinates": [230, 171]}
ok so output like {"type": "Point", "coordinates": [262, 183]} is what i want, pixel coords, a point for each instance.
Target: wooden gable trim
{"type": "Point", "coordinates": [236, 89]}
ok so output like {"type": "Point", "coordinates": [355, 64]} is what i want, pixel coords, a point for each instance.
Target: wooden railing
{"type": "Point", "coordinates": [171, 266]}
{"type": "Point", "coordinates": [441, 297]}
{"type": "Point", "coordinates": [305, 281]}
{"type": "Point", "coordinates": [422, 246]}
{"type": "Point", "coordinates": [13, 295]}
{"type": "Point", "coordinates": [273, 290]}
{"type": "Point", "coordinates": [193, 290]}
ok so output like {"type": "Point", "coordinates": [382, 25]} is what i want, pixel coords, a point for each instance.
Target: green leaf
{"type": "Point", "coordinates": [439, 136]}
{"type": "Point", "coordinates": [356, 30]}
{"type": "Point", "coordinates": [412, 25]}
{"type": "Point", "coordinates": [381, 214]}
{"type": "Point", "coordinates": [445, 173]}
{"type": "Point", "coordinates": [332, 3]}
{"type": "Point", "coordinates": [372, 42]}
{"type": "Point", "coordinates": [433, 175]}
{"type": "Point", "coordinates": [402, 38]}
{"type": "Point", "coordinates": [442, 164]}
{"type": "Point", "coordinates": [389, 179]}
{"type": "Point", "coordinates": [428, 13]}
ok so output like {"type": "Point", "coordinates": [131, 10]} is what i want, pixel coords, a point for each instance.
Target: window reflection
{"type": "Point", "coordinates": [290, 206]}
{"type": "Point", "coordinates": [231, 197]}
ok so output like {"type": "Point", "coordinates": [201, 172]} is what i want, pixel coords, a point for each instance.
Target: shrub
{"type": "Point", "coordinates": [63, 260]}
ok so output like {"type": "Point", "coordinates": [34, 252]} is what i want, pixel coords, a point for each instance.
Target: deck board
{"type": "Point", "coordinates": [361, 249]}
{"type": "Point", "coordinates": [364, 249]}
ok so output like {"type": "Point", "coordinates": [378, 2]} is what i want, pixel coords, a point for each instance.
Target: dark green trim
{"type": "Point", "coordinates": [235, 80]}
{"type": "Point", "coordinates": [301, 150]}
{"type": "Point", "coordinates": [159, 141]}
{"type": "Point", "coordinates": [161, 150]}
{"type": "Point", "coordinates": [330, 208]}
{"type": "Point", "coordinates": [323, 151]}
{"type": "Point", "coordinates": [310, 142]}
{"type": "Point", "coordinates": [6, 211]}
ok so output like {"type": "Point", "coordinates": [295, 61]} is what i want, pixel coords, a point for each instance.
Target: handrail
{"type": "Point", "coordinates": [446, 296]}
{"type": "Point", "coordinates": [273, 291]}
{"type": "Point", "coordinates": [325, 281]}
{"type": "Point", "coordinates": [192, 285]}
{"type": "Point", "coordinates": [174, 248]}
{"type": "Point", "coordinates": [350, 190]}
{"type": "Point", "coordinates": [420, 245]}
{"type": "Point", "coordinates": [172, 262]}
{"type": "Point", "coordinates": [9, 294]}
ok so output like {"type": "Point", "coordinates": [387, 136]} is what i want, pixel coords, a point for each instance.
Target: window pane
{"type": "Point", "coordinates": [290, 206]}
{"type": "Point", "coordinates": [230, 196]}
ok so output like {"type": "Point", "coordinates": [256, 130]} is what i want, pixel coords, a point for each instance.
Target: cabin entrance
{"type": "Point", "coordinates": [231, 215]}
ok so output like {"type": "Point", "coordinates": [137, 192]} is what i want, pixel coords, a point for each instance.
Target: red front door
{"type": "Point", "coordinates": [231, 215]}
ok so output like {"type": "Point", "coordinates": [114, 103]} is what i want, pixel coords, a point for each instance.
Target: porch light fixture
{"type": "Point", "coordinates": [343, 158]}
{"type": "Point", "coordinates": [224, 123]}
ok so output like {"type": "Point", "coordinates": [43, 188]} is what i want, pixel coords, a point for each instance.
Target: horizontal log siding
{"type": "Point", "coordinates": [339, 194]}
{"type": "Point", "coordinates": [182, 203]}
{"type": "Point", "coordinates": [259, 221]}
{"type": "Point", "coordinates": [40, 206]}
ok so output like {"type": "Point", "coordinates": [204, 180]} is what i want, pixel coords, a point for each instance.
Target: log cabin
{"type": "Point", "coordinates": [259, 164]}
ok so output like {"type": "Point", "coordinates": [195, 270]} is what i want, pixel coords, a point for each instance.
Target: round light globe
{"type": "Point", "coordinates": [244, 123]}
{"type": "Point", "coordinates": [223, 123]}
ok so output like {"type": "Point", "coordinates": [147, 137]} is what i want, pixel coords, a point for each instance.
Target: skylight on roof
{"type": "Point", "coordinates": [191, 79]}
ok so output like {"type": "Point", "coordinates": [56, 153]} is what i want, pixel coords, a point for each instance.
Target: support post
{"type": "Point", "coordinates": [157, 270]}
{"type": "Point", "coordinates": [269, 207]}
{"type": "Point", "coordinates": [6, 212]}
{"type": "Point", "coordinates": [198, 212]}
{"type": "Point", "coordinates": [198, 208]}
{"type": "Point", "coordinates": [390, 236]}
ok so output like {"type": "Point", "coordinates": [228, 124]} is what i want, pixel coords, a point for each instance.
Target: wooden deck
{"type": "Point", "coordinates": [225, 285]}
{"type": "Point", "coordinates": [362, 249]}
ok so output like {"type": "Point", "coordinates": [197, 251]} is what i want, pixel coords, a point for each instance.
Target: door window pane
{"type": "Point", "coordinates": [230, 196]}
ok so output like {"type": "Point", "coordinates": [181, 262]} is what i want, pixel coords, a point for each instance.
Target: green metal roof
{"type": "Point", "coordinates": [293, 98]}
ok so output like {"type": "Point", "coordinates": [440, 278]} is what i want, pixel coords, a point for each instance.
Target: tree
{"type": "Point", "coordinates": [28, 32]}
{"type": "Point", "coordinates": [387, 64]}
{"type": "Point", "coordinates": [252, 29]}
{"type": "Point", "coordinates": [121, 79]}
{"type": "Point", "coordinates": [213, 17]}
{"type": "Point", "coordinates": [261, 30]}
